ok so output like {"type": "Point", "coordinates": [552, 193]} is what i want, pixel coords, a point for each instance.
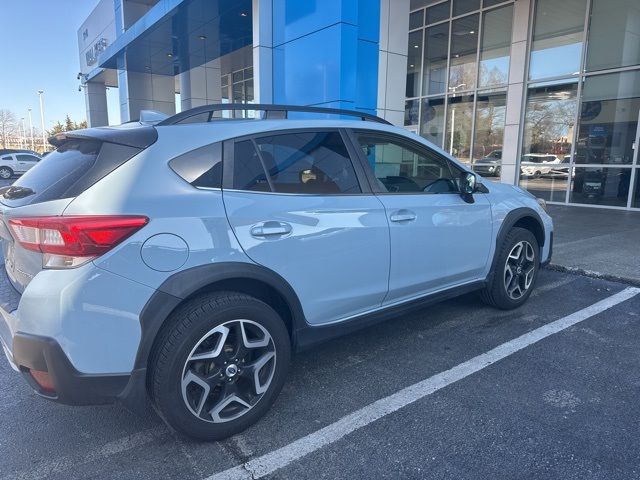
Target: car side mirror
{"type": "Point", "coordinates": [468, 183]}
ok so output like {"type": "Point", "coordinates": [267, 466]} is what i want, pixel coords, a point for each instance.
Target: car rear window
{"type": "Point", "coordinates": [72, 168]}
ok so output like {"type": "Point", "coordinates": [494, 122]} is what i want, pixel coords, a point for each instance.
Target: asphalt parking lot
{"type": "Point", "coordinates": [564, 407]}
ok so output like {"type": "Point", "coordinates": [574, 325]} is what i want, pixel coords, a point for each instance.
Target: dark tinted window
{"type": "Point", "coordinates": [308, 162]}
{"type": "Point", "coordinates": [55, 174]}
{"type": "Point", "coordinates": [416, 19]}
{"type": "Point", "coordinates": [402, 167]}
{"type": "Point", "coordinates": [438, 12]}
{"type": "Point", "coordinates": [27, 158]}
{"type": "Point", "coordinates": [201, 167]}
{"type": "Point", "coordinates": [248, 172]}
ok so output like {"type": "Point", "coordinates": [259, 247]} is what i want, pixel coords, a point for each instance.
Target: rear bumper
{"type": "Point", "coordinates": [82, 328]}
{"type": "Point", "coordinates": [32, 352]}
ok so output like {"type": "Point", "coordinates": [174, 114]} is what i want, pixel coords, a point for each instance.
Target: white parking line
{"type": "Point", "coordinates": [277, 459]}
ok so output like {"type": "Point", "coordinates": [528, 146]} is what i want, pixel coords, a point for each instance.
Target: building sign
{"type": "Point", "coordinates": [91, 55]}
{"type": "Point", "coordinates": [95, 34]}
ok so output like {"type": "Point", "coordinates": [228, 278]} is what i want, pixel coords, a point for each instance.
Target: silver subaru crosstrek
{"type": "Point", "coordinates": [185, 259]}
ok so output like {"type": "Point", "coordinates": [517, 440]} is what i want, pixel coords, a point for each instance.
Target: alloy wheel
{"type": "Point", "coordinates": [228, 371]}
{"type": "Point", "coordinates": [519, 270]}
{"type": "Point", "coordinates": [4, 173]}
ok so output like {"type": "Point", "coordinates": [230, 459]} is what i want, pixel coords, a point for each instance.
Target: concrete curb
{"type": "Point", "coordinates": [590, 273]}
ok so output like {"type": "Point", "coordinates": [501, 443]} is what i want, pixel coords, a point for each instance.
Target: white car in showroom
{"type": "Point", "coordinates": [537, 164]}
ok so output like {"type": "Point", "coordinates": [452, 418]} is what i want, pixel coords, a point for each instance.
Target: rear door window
{"type": "Point", "coordinates": [308, 163]}
{"type": "Point", "coordinates": [299, 162]}
{"type": "Point", "coordinates": [248, 170]}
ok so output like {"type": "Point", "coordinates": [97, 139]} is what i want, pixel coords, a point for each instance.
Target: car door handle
{"type": "Point", "coordinates": [402, 216]}
{"type": "Point", "coordinates": [270, 229]}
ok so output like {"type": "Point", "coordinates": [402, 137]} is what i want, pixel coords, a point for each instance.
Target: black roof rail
{"type": "Point", "coordinates": [271, 111]}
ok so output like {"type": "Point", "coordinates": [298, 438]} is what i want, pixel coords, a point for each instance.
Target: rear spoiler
{"type": "Point", "coordinates": [131, 135]}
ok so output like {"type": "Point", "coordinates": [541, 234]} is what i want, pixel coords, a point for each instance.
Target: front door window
{"type": "Point", "coordinates": [403, 168]}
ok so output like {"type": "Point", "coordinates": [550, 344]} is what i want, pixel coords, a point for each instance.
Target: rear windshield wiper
{"type": "Point", "coordinates": [13, 192]}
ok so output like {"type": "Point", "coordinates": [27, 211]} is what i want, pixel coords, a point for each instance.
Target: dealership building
{"type": "Point", "coordinates": [541, 93]}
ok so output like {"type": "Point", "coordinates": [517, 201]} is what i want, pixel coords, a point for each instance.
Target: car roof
{"type": "Point", "coordinates": [7, 151]}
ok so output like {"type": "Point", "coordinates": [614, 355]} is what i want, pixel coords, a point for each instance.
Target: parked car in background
{"type": "Point", "coordinates": [537, 164]}
{"type": "Point", "coordinates": [562, 168]}
{"type": "Point", "coordinates": [489, 166]}
{"type": "Point", "coordinates": [16, 162]}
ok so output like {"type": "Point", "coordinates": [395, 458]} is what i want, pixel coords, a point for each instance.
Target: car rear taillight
{"type": "Point", "coordinates": [74, 236]}
{"type": "Point", "coordinates": [44, 381]}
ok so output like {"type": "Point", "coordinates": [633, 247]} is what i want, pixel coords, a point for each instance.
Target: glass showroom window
{"type": "Point", "coordinates": [608, 128]}
{"type": "Point", "coordinates": [432, 126]}
{"type": "Point", "coordinates": [601, 169]}
{"type": "Point", "coordinates": [558, 35]}
{"type": "Point", "coordinates": [489, 127]}
{"type": "Point", "coordinates": [550, 115]}
{"type": "Point", "coordinates": [466, 49]}
{"type": "Point", "coordinates": [434, 70]}
{"type": "Point", "coordinates": [459, 127]}
{"type": "Point", "coordinates": [414, 49]}
{"type": "Point", "coordinates": [237, 87]}
{"type": "Point", "coordinates": [614, 34]}
{"type": "Point", "coordinates": [496, 47]}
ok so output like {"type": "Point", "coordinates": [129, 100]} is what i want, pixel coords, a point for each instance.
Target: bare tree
{"type": "Point", "coordinates": [8, 126]}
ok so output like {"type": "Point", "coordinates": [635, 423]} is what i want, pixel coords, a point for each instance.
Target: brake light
{"type": "Point", "coordinates": [44, 381]}
{"type": "Point", "coordinates": [75, 236]}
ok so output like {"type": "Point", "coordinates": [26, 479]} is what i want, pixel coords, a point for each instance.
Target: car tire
{"type": "Point", "coordinates": [497, 172]}
{"type": "Point", "coordinates": [517, 261]}
{"type": "Point", "coordinates": [6, 173]}
{"type": "Point", "coordinates": [208, 354]}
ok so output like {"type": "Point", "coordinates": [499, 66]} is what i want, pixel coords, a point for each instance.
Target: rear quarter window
{"type": "Point", "coordinates": [201, 167]}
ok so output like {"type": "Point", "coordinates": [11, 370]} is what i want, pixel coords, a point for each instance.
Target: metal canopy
{"type": "Point", "coordinates": [178, 35]}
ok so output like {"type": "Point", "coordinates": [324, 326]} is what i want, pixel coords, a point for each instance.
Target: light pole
{"type": "Point", "coordinates": [44, 142]}
{"type": "Point", "coordinates": [31, 129]}
{"type": "Point", "coordinates": [453, 117]}
{"type": "Point", "coordinates": [23, 137]}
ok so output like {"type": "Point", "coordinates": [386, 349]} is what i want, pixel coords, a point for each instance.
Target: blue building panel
{"type": "Point", "coordinates": [369, 20]}
{"type": "Point", "coordinates": [316, 68]}
{"type": "Point", "coordinates": [367, 76]}
{"type": "Point", "coordinates": [293, 19]}
{"type": "Point", "coordinates": [326, 53]}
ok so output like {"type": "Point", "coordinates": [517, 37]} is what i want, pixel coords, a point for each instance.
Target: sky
{"type": "Point", "coordinates": [39, 51]}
